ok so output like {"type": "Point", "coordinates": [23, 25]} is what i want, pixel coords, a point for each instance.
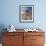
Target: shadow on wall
{"type": "Point", "coordinates": [2, 26]}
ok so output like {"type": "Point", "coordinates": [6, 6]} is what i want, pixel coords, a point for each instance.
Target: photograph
{"type": "Point", "coordinates": [26, 13]}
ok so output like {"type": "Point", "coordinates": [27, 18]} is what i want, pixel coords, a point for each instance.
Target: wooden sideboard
{"type": "Point", "coordinates": [23, 38]}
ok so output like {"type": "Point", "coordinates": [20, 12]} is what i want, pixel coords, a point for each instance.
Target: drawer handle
{"type": "Point", "coordinates": [11, 38]}
{"type": "Point", "coordinates": [33, 39]}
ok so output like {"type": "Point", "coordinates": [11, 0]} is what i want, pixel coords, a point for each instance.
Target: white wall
{"type": "Point", "coordinates": [10, 13]}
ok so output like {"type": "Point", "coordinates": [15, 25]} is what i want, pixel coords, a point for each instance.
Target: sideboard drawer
{"type": "Point", "coordinates": [13, 33]}
{"type": "Point", "coordinates": [37, 39]}
{"type": "Point", "coordinates": [34, 33]}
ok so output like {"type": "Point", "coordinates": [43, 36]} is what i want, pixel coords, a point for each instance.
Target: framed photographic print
{"type": "Point", "coordinates": [26, 13]}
